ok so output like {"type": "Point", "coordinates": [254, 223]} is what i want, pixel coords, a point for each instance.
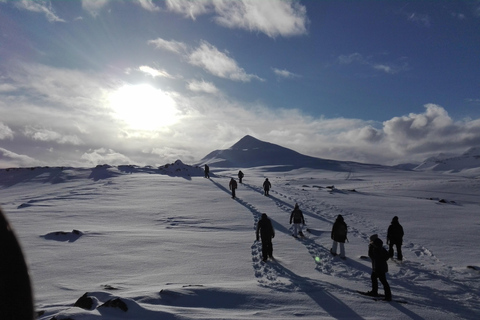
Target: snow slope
{"type": "Point", "coordinates": [466, 163]}
{"type": "Point", "coordinates": [171, 244]}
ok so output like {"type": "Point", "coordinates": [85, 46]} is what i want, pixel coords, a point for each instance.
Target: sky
{"type": "Point", "coordinates": [149, 82]}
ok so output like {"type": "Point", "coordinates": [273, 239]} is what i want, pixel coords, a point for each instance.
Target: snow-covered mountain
{"type": "Point", "coordinates": [250, 152]}
{"type": "Point", "coordinates": [468, 161]}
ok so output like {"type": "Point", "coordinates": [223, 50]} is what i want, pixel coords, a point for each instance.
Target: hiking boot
{"type": "Point", "coordinates": [372, 294]}
{"type": "Point", "coordinates": [333, 253]}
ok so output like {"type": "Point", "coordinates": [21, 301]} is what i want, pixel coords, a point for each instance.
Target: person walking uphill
{"type": "Point", "coordinates": [240, 176]}
{"type": "Point", "coordinates": [297, 218]}
{"type": "Point", "coordinates": [267, 233]}
{"type": "Point", "coordinates": [266, 187]}
{"type": "Point", "coordinates": [233, 185]}
{"type": "Point", "coordinates": [395, 238]}
{"type": "Point", "coordinates": [379, 256]}
{"type": "Point", "coordinates": [339, 235]}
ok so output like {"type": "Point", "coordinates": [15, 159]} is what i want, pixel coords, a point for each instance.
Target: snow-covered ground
{"type": "Point", "coordinates": [174, 245]}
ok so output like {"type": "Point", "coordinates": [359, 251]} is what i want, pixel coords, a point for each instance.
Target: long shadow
{"type": "Point", "coordinates": [319, 293]}
{"type": "Point", "coordinates": [468, 308]}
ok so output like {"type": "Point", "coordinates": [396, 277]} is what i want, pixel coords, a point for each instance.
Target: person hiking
{"type": "Point", "coordinates": [339, 235]}
{"type": "Point", "coordinates": [379, 256]}
{"type": "Point", "coordinates": [233, 185]}
{"type": "Point", "coordinates": [395, 238]}
{"type": "Point", "coordinates": [207, 171]}
{"type": "Point", "coordinates": [297, 218]}
{"type": "Point", "coordinates": [266, 187]}
{"type": "Point", "coordinates": [266, 233]}
{"type": "Point", "coordinates": [240, 176]}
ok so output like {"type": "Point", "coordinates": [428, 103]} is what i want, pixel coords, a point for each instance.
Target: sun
{"type": "Point", "coordinates": [143, 107]}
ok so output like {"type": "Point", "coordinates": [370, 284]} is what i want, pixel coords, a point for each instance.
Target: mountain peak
{"type": "Point", "coordinates": [248, 142]}
{"type": "Point", "coordinates": [250, 152]}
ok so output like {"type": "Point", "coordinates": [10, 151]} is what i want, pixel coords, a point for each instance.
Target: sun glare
{"type": "Point", "coordinates": [142, 107]}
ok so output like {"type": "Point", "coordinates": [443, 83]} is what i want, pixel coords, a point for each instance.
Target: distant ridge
{"type": "Point", "coordinates": [469, 160]}
{"type": "Point", "coordinates": [251, 152]}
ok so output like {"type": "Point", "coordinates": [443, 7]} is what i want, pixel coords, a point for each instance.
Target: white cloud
{"type": "Point", "coordinates": [202, 86]}
{"type": "Point", "coordinates": [172, 46]}
{"type": "Point", "coordinates": [6, 87]}
{"type": "Point", "coordinates": [5, 132]}
{"type": "Point", "coordinates": [218, 63]}
{"type": "Point", "coordinates": [284, 73]}
{"type": "Point", "coordinates": [274, 18]}
{"type": "Point", "coordinates": [94, 6]}
{"type": "Point", "coordinates": [154, 72]}
{"type": "Point", "coordinates": [388, 67]}
{"type": "Point", "coordinates": [9, 159]}
{"type": "Point", "coordinates": [190, 9]}
{"type": "Point", "coordinates": [105, 156]}
{"type": "Point", "coordinates": [42, 134]}
{"type": "Point", "coordinates": [44, 7]}
{"type": "Point", "coordinates": [148, 5]}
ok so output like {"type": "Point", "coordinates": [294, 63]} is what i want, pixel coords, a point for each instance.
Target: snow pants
{"type": "Point", "coordinates": [297, 227]}
{"type": "Point", "coordinates": [399, 250]}
{"type": "Point", "coordinates": [342, 248]}
{"type": "Point", "coordinates": [267, 248]}
{"type": "Point", "coordinates": [383, 279]}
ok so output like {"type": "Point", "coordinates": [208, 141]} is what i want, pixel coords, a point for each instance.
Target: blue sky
{"type": "Point", "coordinates": [148, 82]}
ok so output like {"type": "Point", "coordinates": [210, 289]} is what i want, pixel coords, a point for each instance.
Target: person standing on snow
{"type": "Point", "coordinates": [395, 238]}
{"type": "Point", "coordinates": [266, 187]}
{"type": "Point", "coordinates": [265, 232]}
{"type": "Point", "coordinates": [379, 256]}
{"type": "Point", "coordinates": [339, 235]}
{"type": "Point", "coordinates": [233, 185]}
{"type": "Point", "coordinates": [297, 218]}
{"type": "Point", "coordinates": [240, 176]}
{"type": "Point", "coordinates": [207, 171]}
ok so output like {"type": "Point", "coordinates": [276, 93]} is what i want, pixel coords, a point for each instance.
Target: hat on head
{"type": "Point", "coordinates": [373, 237]}
{"type": "Point", "coordinates": [395, 218]}
{"type": "Point", "coordinates": [378, 243]}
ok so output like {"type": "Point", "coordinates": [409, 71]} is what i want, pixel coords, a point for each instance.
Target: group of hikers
{"type": "Point", "coordinates": [376, 251]}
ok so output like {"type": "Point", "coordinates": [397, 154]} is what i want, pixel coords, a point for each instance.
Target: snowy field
{"type": "Point", "coordinates": [174, 245]}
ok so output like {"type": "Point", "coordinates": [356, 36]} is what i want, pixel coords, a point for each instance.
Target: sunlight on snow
{"type": "Point", "coordinates": [142, 107]}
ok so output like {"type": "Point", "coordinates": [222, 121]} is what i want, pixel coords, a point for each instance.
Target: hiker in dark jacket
{"type": "Point", "coordinates": [240, 176]}
{"type": "Point", "coordinates": [395, 238]}
{"type": "Point", "coordinates": [297, 218]}
{"type": "Point", "coordinates": [266, 186]}
{"type": "Point", "coordinates": [233, 185]}
{"type": "Point", "coordinates": [207, 171]}
{"type": "Point", "coordinates": [266, 232]}
{"type": "Point", "coordinates": [379, 256]}
{"type": "Point", "coordinates": [339, 235]}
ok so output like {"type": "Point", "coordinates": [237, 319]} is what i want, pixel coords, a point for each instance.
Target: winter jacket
{"type": "Point", "coordinates": [267, 185]}
{"type": "Point", "coordinates": [379, 256]}
{"type": "Point", "coordinates": [395, 233]}
{"type": "Point", "coordinates": [232, 184]}
{"type": "Point", "coordinates": [339, 230]}
{"type": "Point", "coordinates": [297, 216]}
{"type": "Point", "coordinates": [265, 228]}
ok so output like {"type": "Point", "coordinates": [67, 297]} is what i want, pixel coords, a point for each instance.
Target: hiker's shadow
{"type": "Point", "coordinates": [319, 292]}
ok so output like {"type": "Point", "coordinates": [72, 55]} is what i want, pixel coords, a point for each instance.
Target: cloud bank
{"type": "Point", "coordinates": [63, 123]}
